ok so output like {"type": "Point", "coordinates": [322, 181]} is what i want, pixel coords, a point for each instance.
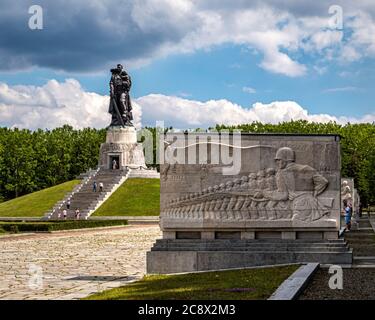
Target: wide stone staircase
{"type": "Point", "coordinates": [215, 254]}
{"type": "Point", "coordinates": [84, 198]}
{"type": "Point", "coordinates": [264, 245]}
{"type": "Point", "coordinates": [362, 240]}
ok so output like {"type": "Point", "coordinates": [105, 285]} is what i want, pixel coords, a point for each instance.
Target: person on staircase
{"type": "Point", "coordinates": [77, 213]}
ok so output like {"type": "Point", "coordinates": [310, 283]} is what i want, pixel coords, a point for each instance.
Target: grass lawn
{"type": "Point", "coordinates": [36, 204]}
{"type": "Point", "coordinates": [136, 197]}
{"type": "Point", "coordinates": [226, 285]}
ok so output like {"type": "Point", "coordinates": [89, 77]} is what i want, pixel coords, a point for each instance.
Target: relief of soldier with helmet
{"type": "Point", "coordinates": [290, 191]}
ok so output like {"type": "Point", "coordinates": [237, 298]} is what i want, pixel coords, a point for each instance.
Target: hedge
{"type": "Point", "coordinates": [57, 225]}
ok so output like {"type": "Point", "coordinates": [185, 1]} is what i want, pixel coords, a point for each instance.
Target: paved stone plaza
{"type": "Point", "coordinates": [73, 264]}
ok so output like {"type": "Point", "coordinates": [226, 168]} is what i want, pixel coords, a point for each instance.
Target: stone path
{"type": "Point", "coordinates": [358, 284]}
{"type": "Point", "coordinates": [72, 265]}
{"type": "Point", "coordinates": [362, 240]}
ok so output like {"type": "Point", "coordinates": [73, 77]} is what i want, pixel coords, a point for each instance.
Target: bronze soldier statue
{"type": "Point", "coordinates": [120, 105]}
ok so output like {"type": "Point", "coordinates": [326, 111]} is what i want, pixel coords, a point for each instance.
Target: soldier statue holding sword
{"type": "Point", "coordinates": [120, 105]}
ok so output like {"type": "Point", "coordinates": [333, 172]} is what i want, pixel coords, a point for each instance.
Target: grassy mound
{"type": "Point", "coordinates": [136, 197]}
{"type": "Point", "coordinates": [36, 204]}
{"type": "Point", "coordinates": [222, 285]}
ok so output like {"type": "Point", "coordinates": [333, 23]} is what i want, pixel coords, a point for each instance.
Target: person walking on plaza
{"type": "Point", "coordinates": [68, 204]}
{"type": "Point", "coordinates": [94, 186]}
{"type": "Point", "coordinates": [101, 186]}
{"type": "Point", "coordinates": [64, 214]}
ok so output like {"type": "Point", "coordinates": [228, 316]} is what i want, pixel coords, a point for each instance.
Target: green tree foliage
{"type": "Point", "coordinates": [31, 161]}
{"type": "Point", "coordinates": [17, 163]}
{"type": "Point", "coordinates": [357, 147]}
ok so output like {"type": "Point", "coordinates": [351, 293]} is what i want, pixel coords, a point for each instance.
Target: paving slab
{"type": "Point", "coordinates": [72, 265]}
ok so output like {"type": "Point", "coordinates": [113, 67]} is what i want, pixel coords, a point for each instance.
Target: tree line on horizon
{"type": "Point", "coordinates": [34, 160]}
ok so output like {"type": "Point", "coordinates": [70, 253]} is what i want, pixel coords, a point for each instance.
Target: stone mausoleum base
{"type": "Point", "coordinates": [121, 145]}
{"type": "Point", "coordinates": [189, 255]}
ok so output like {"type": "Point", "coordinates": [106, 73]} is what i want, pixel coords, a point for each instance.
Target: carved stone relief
{"type": "Point", "coordinates": [293, 191]}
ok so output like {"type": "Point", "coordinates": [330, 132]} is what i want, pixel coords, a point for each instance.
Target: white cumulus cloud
{"type": "Point", "coordinates": [92, 35]}
{"type": "Point", "coordinates": [183, 113]}
{"type": "Point", "coordinates": [57, 103]}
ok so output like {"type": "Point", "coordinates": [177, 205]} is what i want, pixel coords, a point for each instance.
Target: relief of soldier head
{"type": "Point", "coordinates": [284, 156]}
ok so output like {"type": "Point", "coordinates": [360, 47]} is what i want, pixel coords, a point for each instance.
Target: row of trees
{"type": "Point", "coordinates": [34, 160]}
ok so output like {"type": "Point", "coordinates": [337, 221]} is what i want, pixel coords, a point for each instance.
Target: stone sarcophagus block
{"type": "Point", "coordinates": [241, 200]}
{"type": "Point", "coordinates": [250, 185]}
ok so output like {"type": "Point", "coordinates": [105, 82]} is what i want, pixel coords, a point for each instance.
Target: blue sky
{"type": "Point", "coordinates": [190, 58]}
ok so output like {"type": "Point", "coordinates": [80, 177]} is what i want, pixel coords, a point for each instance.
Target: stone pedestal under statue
{"type": "Point", "coordinates": [121, 149]}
